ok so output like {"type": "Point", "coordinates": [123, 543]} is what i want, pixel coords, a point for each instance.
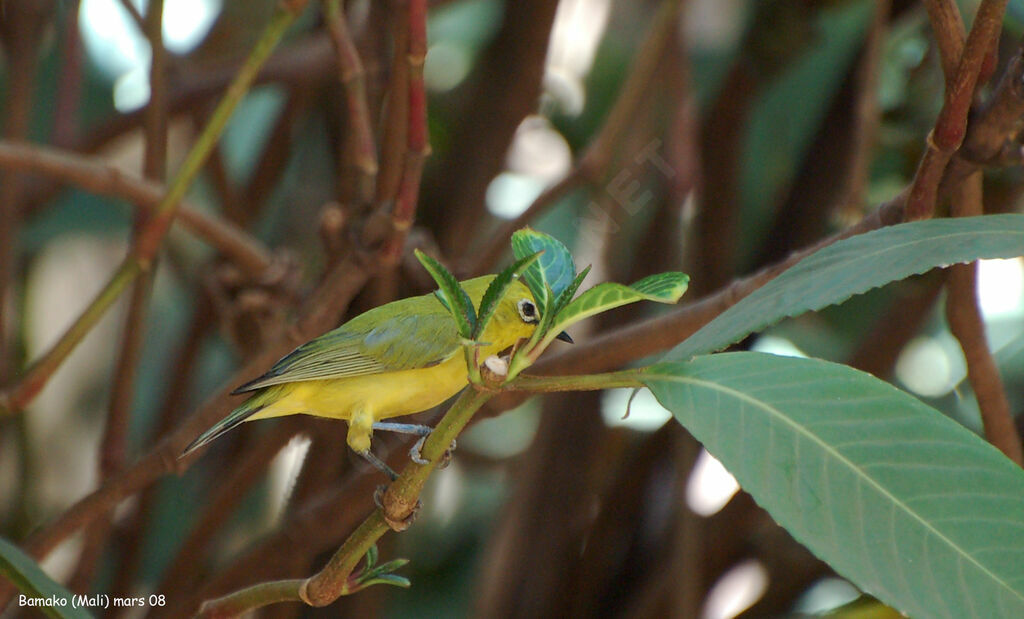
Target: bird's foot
{"type": "Point", "coordinates": [416, 455]}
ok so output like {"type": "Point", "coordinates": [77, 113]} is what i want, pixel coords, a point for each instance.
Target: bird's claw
{"type": "Point", "coordinates": [416, 455]}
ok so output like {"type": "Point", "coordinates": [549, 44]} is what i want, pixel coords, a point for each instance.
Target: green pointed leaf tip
{"type": "Point", "coordinates": [661, 288]}
{"type": "Point", "coordinates": [906, 503]}
{"type": "Point", "coordinates": [855, 265]}
{"type": "Point", "coordinates": [451, 294]}
{"type": "Point", "coordinates": [36, 585]}
{"type": "Point", "coordinates": [387, 579]}
{"type": "Point", "coordinates": [552, 273]}
{"type": "Point", "coordinates": [566, 295]}
{"type": "Point", "coordinates": [496, 291]}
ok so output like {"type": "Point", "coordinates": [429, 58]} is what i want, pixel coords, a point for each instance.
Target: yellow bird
{"type": "Point", "coordinates": [397, 359]}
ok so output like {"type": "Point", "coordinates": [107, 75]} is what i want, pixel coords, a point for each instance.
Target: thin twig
{"type": "Point", "coordinates": [948, 28]}
{"type": "Point", "coordinates": [133, 13]}
{"type": "Point", "coordinates": [100, 178]}
{"type": "Point", "coordinates": [67, 100]}
{"type": "Point", "coordinates": [180, 378]}
{"type": "Point", "coordinates": [273, 161]}
{"type": "Point", "coordinates": [20, 48]}
{"type": "Point", "coordinates": [417, 145]}
{"type": "Point", "coordinates": [394, 124]}
{"type": "Point", "coordinates": [968, 326]}
{"type": "Point", "coordinates": [866, 114]}
{"type": "Point", "coordinates": [362, 148]}
{"type": "Point", "coordinates": [122, 394]}
{"type": "Point", "coordinates": [951, 126]}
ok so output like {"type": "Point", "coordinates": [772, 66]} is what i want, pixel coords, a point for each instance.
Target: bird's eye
{"type": "Point", "coordinates": [527, 311]}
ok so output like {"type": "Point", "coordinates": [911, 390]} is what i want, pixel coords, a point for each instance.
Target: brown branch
{"type": "Point", "coordinates": [67, 99]}
{"type": "Point", "coordinates": [112, 445]}
{"type": "Point", "coordinates": [100, 178]}
{"type": "Point", "coordinates": [181, 375]}
{"type": "Point", "coordinates": [361, 146]}
{"type": "Point", "coordinates": [866, 114]}
{"type": "Point", "coordinates": [948, 27]}
{"type": "Point", "coordinates": [417, 145]}
{"type": "Point", "coordinates": [395, 122]}
{"type": "Point", "coordinates": [133, 13]}
{"type": "Point", "coordinates": [21, 30]}
{"type": "Point", "coordinates": [274, 159]}
{"type": "Point", "coordinates": [968, 326]}
{"type": "Point", "coordinates": [951, 125]}
{"type": "Point", "coordinates": [880, 347]}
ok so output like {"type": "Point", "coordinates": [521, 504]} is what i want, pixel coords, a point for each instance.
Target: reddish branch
{"type": "Point", "coordinates": [951, 126]}
{"type": "Point", "coordinates": [417, 146]}
{"type": "Point", "coordinates": [363, 149]}
{"type": "Point", "coordinates": [112, 454]}
{"type": "Point", "coordinates": [962, 311]}
{"type": "Point", "coordinates": [100, 178]}
{"type": "Point", "coordinates": [968, 326]}
{"type": "Point", "coordinates": [948, 28]}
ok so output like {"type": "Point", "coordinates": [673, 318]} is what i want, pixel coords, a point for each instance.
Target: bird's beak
{"type": "Point", "coordinates": [564, 337]}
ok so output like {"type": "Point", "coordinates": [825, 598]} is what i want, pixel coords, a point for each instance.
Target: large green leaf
{"type": "Point", "coordinates": [904, 502]}
{"type": "Point", "coordinates": [661, 288]}
{"type": "Point", "coordinates": [552, 273]}
{"type": "Point", "coordinates": [856, 265]}
{"type": "Point", "coordinates": [33, 582]}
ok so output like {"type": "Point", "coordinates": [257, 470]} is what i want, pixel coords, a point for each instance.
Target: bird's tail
{"type": "Point", "coordinates": [250, 407]}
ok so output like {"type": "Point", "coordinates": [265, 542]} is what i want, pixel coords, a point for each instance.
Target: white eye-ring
{"type": "Point", "coordinates": [527, 311]}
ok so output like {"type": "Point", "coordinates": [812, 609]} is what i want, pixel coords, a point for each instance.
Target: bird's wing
{"type": "Point", "coordinates": [369, 344]}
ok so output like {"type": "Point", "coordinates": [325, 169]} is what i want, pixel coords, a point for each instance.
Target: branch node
{"type": "Point", "coordinates": [396, 512]}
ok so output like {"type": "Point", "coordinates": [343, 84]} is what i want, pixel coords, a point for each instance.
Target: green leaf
{"type": "Point", "coordinates": [856, 265]}
{"type": "Point", "coordinates": [33, 582]}
{"type": "Point", "coordinates": [496, 291]}
{"type": "Point", "coordinates": [381, 574]}
{"type": "Point", "coordinates": [566, 295]}
{"type": "Point", "coordinates": [451, 294]}
{"type": "Point", "coordinates": [661, 288]}
{"type": "Point", "coordinates": [552, 273]}
{"type": "Point", "coordinates": [906, 503]}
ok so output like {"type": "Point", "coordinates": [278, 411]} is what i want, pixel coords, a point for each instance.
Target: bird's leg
{"type": "Point", "coordinates": [421, 431]}
{"type": "Point", "coordinates": [379, 464]}
{"type": "Point", "coordinates": [403, 428]}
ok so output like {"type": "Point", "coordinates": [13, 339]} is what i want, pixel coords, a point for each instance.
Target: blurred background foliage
{"type": "Point", "coordinates": [742, 149]}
